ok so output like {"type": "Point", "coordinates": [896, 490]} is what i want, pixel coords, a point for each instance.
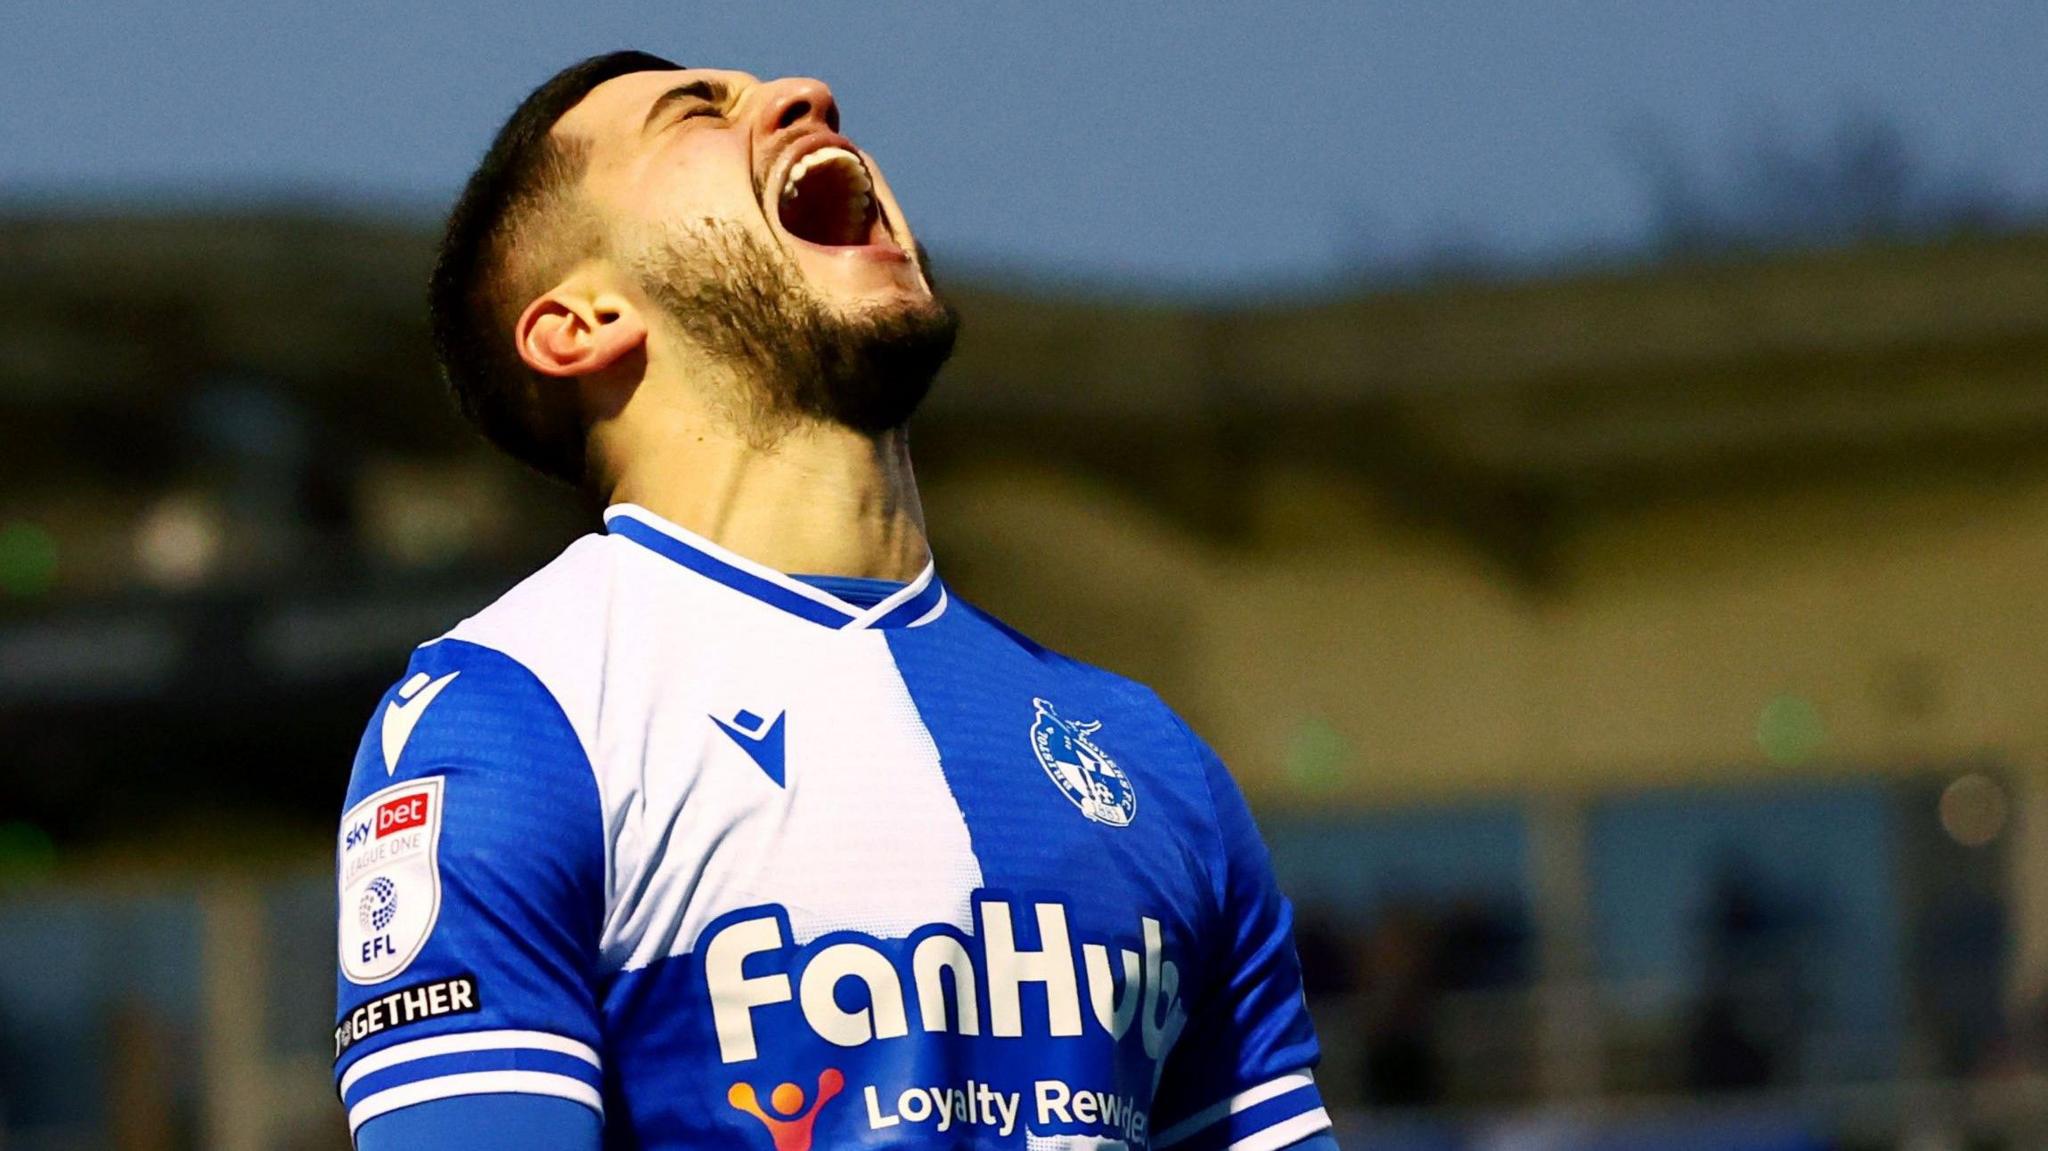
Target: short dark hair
{"type": "Point", "coordinates": [512, 233]}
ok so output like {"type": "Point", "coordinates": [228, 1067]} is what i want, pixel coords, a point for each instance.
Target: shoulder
{"type": "Point", "coordinates": [552, 613]}
{"type": "Point", "coordinates": [552, 627]}
{"type": "Point", "coordinates": [464, 708]}
{"type": "Point", "coordinates": [1120, 714]}
{"type": "Point", "coordinates": [1141, 715]}
{"type": "Point", "coordinates": [1127, 698]}
{"type": "Point", "coordinates": [503, 679]}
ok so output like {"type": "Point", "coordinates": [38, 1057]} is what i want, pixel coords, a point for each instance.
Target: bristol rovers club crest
{"type": "Point", "coordinates": [1083, 772]}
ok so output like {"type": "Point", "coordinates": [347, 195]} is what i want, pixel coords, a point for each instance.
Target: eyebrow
{"type": "Point", "coordinates": [709, 91]}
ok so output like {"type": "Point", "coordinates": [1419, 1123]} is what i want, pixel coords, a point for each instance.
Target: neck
{"type": "Point", "coordinates": [820, 500]}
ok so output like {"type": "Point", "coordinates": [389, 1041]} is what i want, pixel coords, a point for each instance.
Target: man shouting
{"type": "Point", "coordinates": [732, 827]}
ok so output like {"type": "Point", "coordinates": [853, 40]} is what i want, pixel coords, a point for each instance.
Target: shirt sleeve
{"type": "Point", "coordinates": [471, 878]}
{"type": "Point", "coordinates": [499, 1122]}
{"type": "Point", "coordinates": [1241, 1077]}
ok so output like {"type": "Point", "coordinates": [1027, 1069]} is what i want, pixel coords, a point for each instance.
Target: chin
{"type": "Point", "coordinates": [855, 281]}
{"type": "Point", "coordinates": [889, 307]}
{"type": "Point", "coordinates": [887, 354]}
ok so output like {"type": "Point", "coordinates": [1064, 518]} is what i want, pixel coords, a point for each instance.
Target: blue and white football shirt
{"type": "Point", "coordinates": [735, 862]}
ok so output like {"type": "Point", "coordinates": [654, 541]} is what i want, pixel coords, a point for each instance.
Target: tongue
{"type": "Point", "coordinates": [822, 211]}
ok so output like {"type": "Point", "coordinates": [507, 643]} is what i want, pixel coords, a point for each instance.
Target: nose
{"type": "Point", "coordinates": [799, 100]}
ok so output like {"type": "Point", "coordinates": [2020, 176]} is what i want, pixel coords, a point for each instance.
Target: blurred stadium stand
{"type": "Point", "coordinates": [1639, 672]}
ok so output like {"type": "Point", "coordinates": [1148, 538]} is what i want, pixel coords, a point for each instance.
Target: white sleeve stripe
{"type": "Point", "coordinates": [475, 1083]}
{"type": "Point", "coordinates": [466, 1041]}
{"type": "Point", "coordinates": [1284, 1132]}
{"type": "Point", "coordinates": [1250, 1097]}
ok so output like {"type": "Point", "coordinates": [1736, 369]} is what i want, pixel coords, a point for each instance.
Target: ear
{"type": "Point", "coordinates": [571, 330]}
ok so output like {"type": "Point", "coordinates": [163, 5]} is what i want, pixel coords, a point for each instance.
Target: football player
{"type": "Point", "coordinates": [732, 827]}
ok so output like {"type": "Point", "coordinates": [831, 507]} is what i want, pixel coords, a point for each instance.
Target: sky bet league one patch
{"type": "Point", "coordinates": [390, 879]}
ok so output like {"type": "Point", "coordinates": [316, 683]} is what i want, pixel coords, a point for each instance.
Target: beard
{"type": "Point", "coordinates": [798, 359]}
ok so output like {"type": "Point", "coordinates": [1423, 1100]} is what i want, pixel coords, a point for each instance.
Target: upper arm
{"type": "Point", "coordinates": [1241, 1076]}
{"type": "Point", "coordinates": [471, 881]}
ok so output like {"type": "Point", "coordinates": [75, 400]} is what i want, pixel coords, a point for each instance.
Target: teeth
{"type": "Point", "coordinates": [830, 155]}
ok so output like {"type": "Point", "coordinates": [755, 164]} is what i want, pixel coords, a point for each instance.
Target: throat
{"type": "Point", "coordinates": [823, 499]}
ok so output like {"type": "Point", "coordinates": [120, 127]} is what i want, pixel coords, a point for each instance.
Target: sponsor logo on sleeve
{"type": "Point", "coordinates": [418, 1003]}
{"type": "Point", "coordinates": [390, 879]}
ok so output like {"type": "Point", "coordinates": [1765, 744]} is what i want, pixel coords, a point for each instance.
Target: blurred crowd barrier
{"type": "Point", "coordinates": [152, 1016]}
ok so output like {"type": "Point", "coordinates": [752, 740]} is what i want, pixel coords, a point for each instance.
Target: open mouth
{"type": "Point", "coordinates": [829, 200]}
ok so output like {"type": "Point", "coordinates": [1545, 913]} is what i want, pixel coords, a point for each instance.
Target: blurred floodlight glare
{"type": "Point", "coordinates": [1316, 756]}
{"type": "Point", "coordinates": [417, 516]}
{"type": "Point", "coordinates": [1973, 810]}
{"type": "Point", "coordinates": [424, 533]}
{"type": "Point", "coordinates": [178, 543]}
{"type": "Point", "coordinates": [28, 560]}
{"type": "Point", "coordinates": [1789, 730]}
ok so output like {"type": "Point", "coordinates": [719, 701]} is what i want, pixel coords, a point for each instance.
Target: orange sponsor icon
{"type": "Point", "coordinates": [791, 1131]}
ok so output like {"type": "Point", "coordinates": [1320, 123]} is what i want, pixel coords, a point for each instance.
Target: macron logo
{"type": "Point", "coordinates": [760, 738]}
{"type": "Point", "coordinates": [401, 717]}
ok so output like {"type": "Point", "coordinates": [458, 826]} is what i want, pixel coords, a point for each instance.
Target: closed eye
{"type": "Point", "coordinates": [697, 98]}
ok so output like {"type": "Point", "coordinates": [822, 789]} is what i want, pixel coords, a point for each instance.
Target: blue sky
{"type": "Point", "coordinates": [1195, 145]}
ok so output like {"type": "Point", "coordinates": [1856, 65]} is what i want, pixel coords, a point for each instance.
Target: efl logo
{"type": "Point", "coordinates": [390, 878]}
{"type": "Point", "coordinates": [401, 814]}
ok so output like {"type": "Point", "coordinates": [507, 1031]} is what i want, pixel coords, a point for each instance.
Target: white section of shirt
{"type": "Point", "coordinates": [642, 653]}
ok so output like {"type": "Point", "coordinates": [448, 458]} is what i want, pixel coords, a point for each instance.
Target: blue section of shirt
{"type": "Point", "coordinates": [517, 884]}
{"type": "Point", "coordinates": [469, 1062]}
{"type": "Point", "coordinates": [500, 1122]}
{"type": "Point", "coordinates": [854, 589]}
{"type": "Point", "coordinates": [1124, 814]}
